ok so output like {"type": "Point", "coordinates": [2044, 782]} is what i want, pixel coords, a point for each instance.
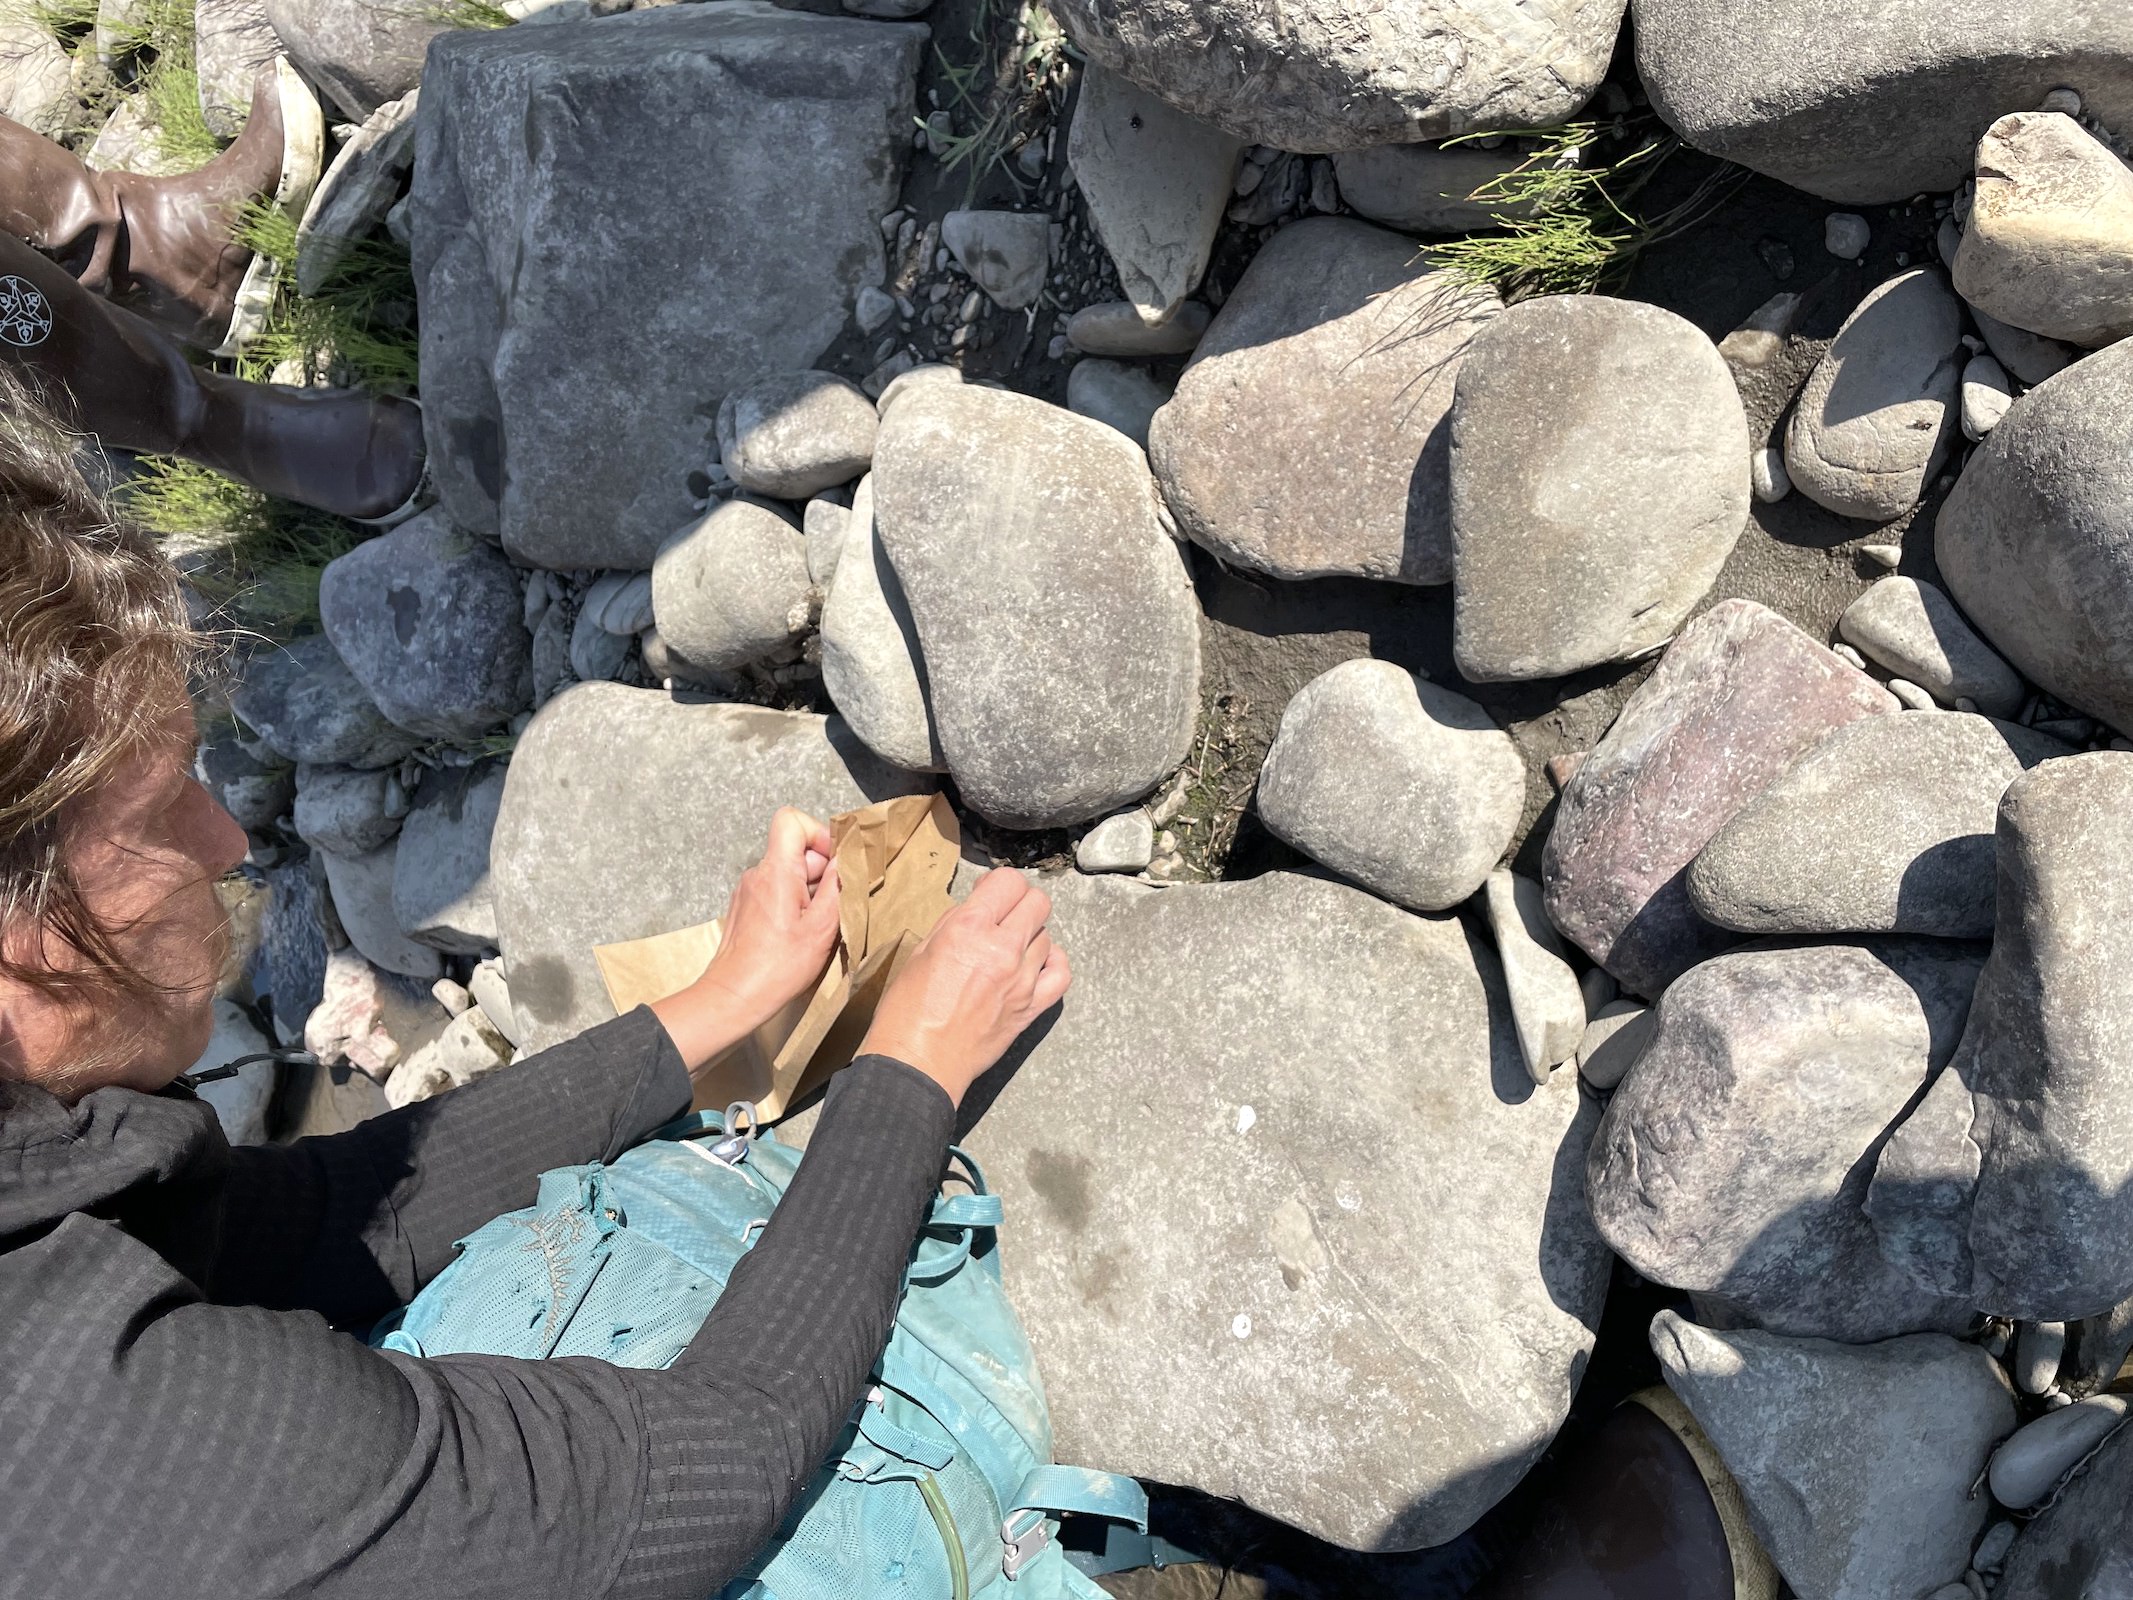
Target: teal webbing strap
{"type": "Point", "coordinates": [1082, 1491]}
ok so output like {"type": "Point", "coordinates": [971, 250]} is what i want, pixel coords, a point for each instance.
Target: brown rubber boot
{"type": "Point", "coordinates": [163, 247]}
{"type": "Point", "coordinates": [1646, 1511]}
{"type": "Point", "coordinates": [117, 376]}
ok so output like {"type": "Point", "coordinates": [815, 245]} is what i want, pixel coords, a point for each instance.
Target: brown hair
{"type": "Point", "coordinates": [96, 644]}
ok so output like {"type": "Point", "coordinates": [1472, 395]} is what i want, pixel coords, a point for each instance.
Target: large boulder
{"type": "Point", "coordinates": [1734, 1159]}
{"type": "Point", "coordinates": [1290, 1318]}
{"type": "Point", "coordinates": [362, 53]}
{"type": "Point", "coordinates": [2036, 538]}
{"type": "Point", "coordinates": [1871, 104]}
{"type": "Point", "coordinates": [1405, 787]}
{"type": "Point", "coordinates": [1736, 699]}
{"type": "Point", "coordinates": [627, 812]}
{"type": "Point", "coordinates": [1592, 538]}
{"type": "Point", "coordinates": [871, 665]}
{"type": "Point", "coordinates": [307, 707]}
{"type": "Point", "coordinates": [591, 205]}
{"type": "Point", "coordinates": [431, 621]}
{"type": "Point", "coordinates": [732, 587]}
{"type": "Point", "coordinates": [1883, 827]}
{"type": "Point", "coordinates": [1856, 1461]}
{"type": "Point", "coordinates": [2082, 1545]}
{"type": "Point", "coordinates": [1055, 617]}
{"type": "Point", "coordinates": [1330, 76]}
{"type": "Point", "coordinates": [1308, 434]}
{"type": "Point", "coordinates": [2011, 1183]}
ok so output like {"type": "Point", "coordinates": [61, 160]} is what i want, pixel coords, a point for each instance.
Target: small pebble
{"type": "Point", "coordinates": [1963, 702]}
{"type": "Point", "coordinates": [2067, 102]}
{"type": "Point", "coordinates": [873, 309]}
{"type": "Point", "coordinates": [1913, 697]}
{"type": "Point", "coordinates": [1167, 842]}
{"type": "Point", "coordinates": [1121, 843]}
{"type": "Point", "coordinates": [1767, 475]}
{"type": "Point", "coordinates": [1561, 769]}
{"type": "Point", "coordinates": [452, 996]}
{"type": "Point", "coordinates": [1889, 556]}
{"type": "Point", "coordinates": [1991, 1553]}
{"type": "Point", "coordinates": [1845, 235]}
{"type": "Point", "coordinates": [1846, 652]}
{"type": "Point", "coordinates": [2039, 1348]}
{"type": "Point", "coordinates": [1987, 394]}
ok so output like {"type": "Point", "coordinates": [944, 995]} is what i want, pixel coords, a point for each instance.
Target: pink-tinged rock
{"type": "Point", "coordinates": [1736, 699]}
{"type": "Point", "coordinates": [370, 1018]}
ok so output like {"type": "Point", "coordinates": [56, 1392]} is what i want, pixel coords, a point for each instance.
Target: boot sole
{"type": "Point", "coordinates": [303, 154]}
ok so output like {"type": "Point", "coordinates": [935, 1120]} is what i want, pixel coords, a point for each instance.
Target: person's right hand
{"type": "Point", "coordinates": [986, 971]}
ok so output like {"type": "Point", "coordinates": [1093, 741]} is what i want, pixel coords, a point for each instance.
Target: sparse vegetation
{"type": "Point", "coordinates": [358, 329]}
{"type": "Point", "coordinates": [1218, 780]}
{"type": "Point", "coordinates": [1007, 93]}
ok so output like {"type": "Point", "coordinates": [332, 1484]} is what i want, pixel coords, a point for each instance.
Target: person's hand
{"type": "Point", "coordinates": [774, 942]}
{"type": "Point", "coordinates": [986, 972]}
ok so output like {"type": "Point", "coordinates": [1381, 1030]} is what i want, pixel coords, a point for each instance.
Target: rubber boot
{"type": "Point", "coordinates": [164, 247]}
{"type": "Point", "coordinates": [1646, 1511]}
{"type": "Point", "coordinates": [119, 377]}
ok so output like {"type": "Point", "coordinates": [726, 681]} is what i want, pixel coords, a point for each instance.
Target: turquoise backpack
{"type": "Point", "coordinates": [940, 1487]}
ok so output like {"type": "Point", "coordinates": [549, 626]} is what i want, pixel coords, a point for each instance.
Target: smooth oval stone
{"type": "Point", "coordinates": [732, 588]}
{"type": "Point", "coordinates": [2025, 1468]}
{"type": "Point", "coordinates": [1914, 630]}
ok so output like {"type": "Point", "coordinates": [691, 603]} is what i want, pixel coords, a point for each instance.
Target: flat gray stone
{"type": "Point", "coordinates": [608, 788]}
{"type": "Point", "coordinates": [1405, 787]}
{"type": "Point", "coordinates": [795, 434]}
{"type": "Point", "coordinates": [1613, 1041]}
{"type": "Point", "coordinates": [431, 620]}
{"type": "Point", "coordinates": [1874, 104]}
{"type": "Point", "coordinates": [1121, 843]}
{"type": "Point", "coordinates": [1547, 1006]}
{"type": "Point", "coordinates": [1423, 188]}
{"type": "Point", "coordinates": [2029, 1465]}
{"type": "Point", "coordinates": [347, 810]}
{"type": "Point", "coordinates": [1593, 538]}
{"type": "Point", "coordinates": [1915, 631]}
{"type": "Point", "coordinates": [619, 603]}
{"type": "Point", "coordinates": [1308, 435]}
{"type": "Point", "coordinates": [1881, 408]}
{"type": "Point", "coordinates": [357, 190]}
{"type": "Point", "coordinates": [304, 703]}
{"type": "Point", "coordinates": [232, 40]}
{"type": "Point", "coordinates": [2011, 1183]}
{"type": "Point", "coordinates": [732, 587]}
{"type": "Point", "coordinates": [574, 353]}
{"type": "Point", "coordinates": [1291, 1320]}
{"type": "Point", "coordinates": [2048, 245]}
{"type": "Point", "coordinates": [2028, 356]}
{"type": "Point", "coordinates": [361, 53]}
{"type": "Point", "coordinates": [2036, 539]}
{"type": "Point", "coordinates": [256, 792]}
{"type": "Point", "coordinates": [1006, 253]}
{"type": "Point", "coordinates": [1055, 616]}
{"type": "Point", "coordinates": [362, 890]}
{"type": "Point", "coordinates": [2082, 1545]}
{"type": "Point", "coordinates": [1735, 1156]}
{"type": "Point", "coordinates": [1318, 77]}
{"type": "Point", "coordinates": [1116, 328]}
{"type": "Point", "coordinates": [1879, 828]}
{"type": "Point", "coordinates": [872, 667]}
{"type": "Point", "coordinates": [1736, 699]}
{"type": "Point", "coordinates": [1156, 183]}
{"type": "Point", "coordinates": [1119, 396]}
{"type": "Point", "coordinates": [1855, 1461]}
{"type": "Point", "coordinates": [441, 892]}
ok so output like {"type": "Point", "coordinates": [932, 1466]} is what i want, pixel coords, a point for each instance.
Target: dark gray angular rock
{"type": "Point", "coordinates": [362, 53]}
{"type": "Point", "coordinates": [257, 793]}
{"type": "Point", "coordinates": [1592, 538]}
{"type": "Point", "coordinates": [1856, 1461]}
{"type": "Point", "coordinates": [732, 587]}
{"type": "Point", "coordinates": [1308, 437]}
{"type": "Point", "coordinates": [430, 619]}
{"type": "Point", "coordinates": [794, 434]}
{"type": "Point", "coordinates": [872, 668]}
{"type": "Point", "coordinates": [1320, 76]}
{"type": "Point", "coordinates": [2036, 539]}
{"type": "Point", "coordinates": [608, 788]}
{"type": "Point", "coordinates": [1405, 787]}
{"type": "Point", "coordinates": [307, 707]}
{"type": "Point", "coordinates": [580, 323]}
{"type": "Point", "coordinates": [362, 890]}
{"type": "Point", "coordinates": [1292, 1319]}
{"type": "Point", "coordinates": [1736, 699]}
{"type": "Point", "coordinates": [291, 970]}
{"type": "Point", "coordinates": [347, 810]}
{"type": "Point", "coordinates": [1879, 828]}
{"type": "Point", "coordinates": [1871, 104]}
{"type": "Point", "coordinates": [2011, 1184]}
{"type": "Point", "coordinates": [1734, 1158]}
{"type": "Point", "coordinates": [1914, 631]}
{"type": "Point", "coordinates": [2082, 1546]}
{"type": "Point", "coordinates": [441, 892]}
{"type": "Point", "coordinates": [1055, 617]}
{"type": "Point", "coordinates": [1880, 409]}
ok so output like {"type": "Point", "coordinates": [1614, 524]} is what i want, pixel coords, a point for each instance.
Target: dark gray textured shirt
{"type": "Point", "coordinates": [180, 1417]}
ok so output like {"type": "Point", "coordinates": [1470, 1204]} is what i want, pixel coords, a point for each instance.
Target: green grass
{"type": "Point", "coordinates": [471, 14]}
{"type": "Point", "coordinates": [995, 98]}
{"type": "Point", "coordinates": [358, 328]}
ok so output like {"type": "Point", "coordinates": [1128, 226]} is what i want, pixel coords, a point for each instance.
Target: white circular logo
{"type": "Point", "coordinates": [25, 314]}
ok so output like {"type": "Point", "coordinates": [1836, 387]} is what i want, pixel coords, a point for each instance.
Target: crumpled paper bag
{"type": "Point", "coordinates": [896, 860]}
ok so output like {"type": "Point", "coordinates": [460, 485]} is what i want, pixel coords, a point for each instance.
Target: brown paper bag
{"type": "Point", "coordinates": [896, 860]}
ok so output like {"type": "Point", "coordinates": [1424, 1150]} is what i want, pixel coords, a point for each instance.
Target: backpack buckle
{"type": "Point", "coordinates": [733, 1149]}
{"type": "Point", "coordinates": [1024, 1540]}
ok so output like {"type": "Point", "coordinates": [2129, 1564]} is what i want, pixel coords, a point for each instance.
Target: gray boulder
{"type": "Point", "coordinates": [608, 788]}
{"type": "Point", "coordinates": [1881, 408]}
{"type": "Point", "coordinates": [1055, 617]}
{"type": "Point", "coordinates": [1424, 188]}
{"type": "Point", "coordinates": [796, 433]}
{"type": "Point", "coordinates": [1734, 1158]}
{"type": "Point", "coordinates": [1855, 1461]}
{"type": "Point", "coordinates": [1155, 181]}
{"type": "Point", "coordinates": [2029, 357]}
{"type": "Point", "coordinates": [362, 890]}
{"type": "Point", "coordinates": [1308, 435]}
{"type": "Point", "coordinates": [305, 705]}
{"type": "Point", "coordinates": [2083, 1544]}
{"type": "Point", "coordinates": [362, 53]}
{"type": "Point", "coordinates": [430, 619]}
{"type": "Point", "coordinates": [347, 810]}
{"type": "Point", "coordinates": [1116, 328]}
{"type": "Point", "coordinates": [232, 40]}
{"type": "Point", "coordinates": [2011, 1183]}
{"type": "Point", "coordinates": [1590, 539]}
{"type": "Point", "coordinates": [1405, 787]}
{"type": "Point", "coordinates": [441, 873]}
{"type": "Point", "coordinates": [1006, 253]}
{"type": "Point", "coordinates": [573, 351]}
{"type": "Point", "coordinates": [256, 792]}
{"type": "Point", "coordinates": [1122, 397]}
{"type": "Point", "coordinates": [871, 664]}
{"type": "Point", "coordinates": [1871, 104]}
{"type": "Point", "coordinates": [1290, 1319]}
{"type": "Point", "coordinates": [2036, 539]}
{"type": "Point", "coordinates": [2048, 245]}
{"type": "Point", "coordinates": [1882, 827]}
{"type": "Point", "coordinates": [1914, 630]}
{"type": "Point", "coordinates": [1736, 699]}
{"type": "Point", "coordinates": [732, 587]}
{"type": "Point", "coordinates": [1320, 77]}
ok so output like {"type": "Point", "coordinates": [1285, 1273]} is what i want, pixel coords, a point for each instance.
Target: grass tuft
{"type": "Point", "coordinates": [471, 14]}
{"type": "Point", "coordinates": [1001, 96]}
{"type": "Point", "coordinates": [359, 328]}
